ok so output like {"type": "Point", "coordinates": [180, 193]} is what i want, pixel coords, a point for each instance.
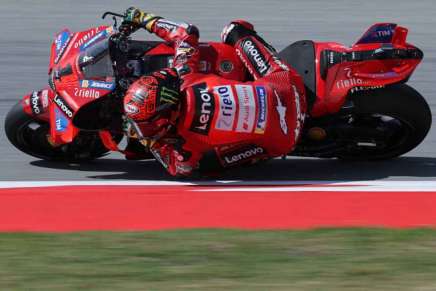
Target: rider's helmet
{"type": "Point", "coordinates": [151, 101]}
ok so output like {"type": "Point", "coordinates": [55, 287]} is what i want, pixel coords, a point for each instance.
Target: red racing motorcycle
{"type": "Point", "coordinates": [360, 106]}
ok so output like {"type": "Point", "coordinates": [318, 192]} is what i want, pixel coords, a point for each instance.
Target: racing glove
{"type": "Point", "coordinates": [140, 18]}
{"type": "Point", "coordinates": [175, 162]}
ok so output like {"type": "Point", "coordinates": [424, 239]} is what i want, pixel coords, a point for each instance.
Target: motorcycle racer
{"type": "Point", "coordinates": [193, 121]}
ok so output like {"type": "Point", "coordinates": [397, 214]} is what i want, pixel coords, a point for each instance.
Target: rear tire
{"type": "Point", "coordinates": [408, 111]}
{"type": "Point", "coordinates": [29, 135]}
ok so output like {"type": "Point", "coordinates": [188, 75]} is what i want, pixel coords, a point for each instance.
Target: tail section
{"type": "Point", "coordinates": [386, 33]}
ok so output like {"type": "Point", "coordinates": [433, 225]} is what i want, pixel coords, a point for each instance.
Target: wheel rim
{"type": "Point", "coordinates": [33, 136]}
{"type": "Point", "coordinates": [394, 135]}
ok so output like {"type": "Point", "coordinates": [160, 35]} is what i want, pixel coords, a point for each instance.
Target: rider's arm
{"type": "Point", "coordinates": [182, 36]}
{"type": "Point", "coordinates": [184, 39]}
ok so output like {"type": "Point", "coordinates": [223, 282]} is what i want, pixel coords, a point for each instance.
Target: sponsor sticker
{"type": "Point", "coordinates": [351, 81]}
{"type": "Point", "coordinates": [247, 108]}
{"type": "Point", "coordinates": [63, 106]}
{"type": "Point", "coordinates": [256, 58]}
{"type": "Point", "coordinates": [61, 121]}
{"type": "Point", "coordinates": [227, 108]}
{"type": "Point", "coordinates": [262, 114]}
{"type": "Point", "coordinates": [86, 93]}
{"type": "Point", "coordinates": [279, 62]}
{"type": "Point", "coordinates": [185, 48]}
{"type": "Point", "coordinates": [44, 98]}
{"type": "Point", "coordinates": [358, 89]}
{"type": "Point", "coordinates": [92, 37]}
{"type": "Point", "coordinates": [299, 115]}
{"type": "Point", "coordinates": [86, 59]}
{"type": "Point", "coordinates": [87, 36]}
{"type": "Point", "coordinates": [166, 25]}
{"type": "Point", "coordinates": [204, 109]}
{"type": "Point", "coordinates": [35, 103]}
{"type": "Point", "coordinates": [281, 110]}
{"type": "Point", "coordinates": [131, 108]}
{"type": "Point", "coordinates": [61, 43]}
{"type": "Point", "coordinates": [97, 85]}
{"type": "Point", "coordinates": [242, 155]}
{"type": "Point", "coordinates": [98, 37]}
{"type": "Point", "coordinates": [169, 25]}
{"type": "Point", "coordinates": [382, 33]}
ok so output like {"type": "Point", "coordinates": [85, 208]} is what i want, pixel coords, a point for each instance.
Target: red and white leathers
{"type": "Point", "coordinates": [224, 123]}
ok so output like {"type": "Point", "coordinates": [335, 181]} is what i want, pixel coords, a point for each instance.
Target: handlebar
{"type": "Point", "coordinates": [125, 29]}
{"type": "Point", "coordinates": [113, 14]}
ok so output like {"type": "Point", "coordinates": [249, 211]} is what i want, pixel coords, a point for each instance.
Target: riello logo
{"type": "Point", "coordinates": [349, 82]}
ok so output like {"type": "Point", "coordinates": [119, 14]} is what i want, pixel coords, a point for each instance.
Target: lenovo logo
{"type": "Point", "coordinates": [257, 59]}
{"type": "Point", "coordinates": [204, 109]}
{"type": "Point", "coordinates": [63, 106]}
{"type": "Point", "coordinates": [34, 100]}
{"type": "Point", "coordinates": [242, 155]}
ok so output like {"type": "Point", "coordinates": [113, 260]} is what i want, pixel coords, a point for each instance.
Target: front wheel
{"type": "Point", "coordinates": [399, 118]}
{"type": "Point", "coordinates": [29, 135]}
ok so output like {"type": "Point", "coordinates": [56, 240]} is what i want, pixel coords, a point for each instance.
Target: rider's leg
{"type": "Point", "coordinates": [259, 57]}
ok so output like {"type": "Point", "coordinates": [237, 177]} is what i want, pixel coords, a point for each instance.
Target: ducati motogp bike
{"type": "Point", "coordinates": [359, 103]}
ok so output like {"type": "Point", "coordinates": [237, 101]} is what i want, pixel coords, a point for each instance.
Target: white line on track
{"type": "Point", "coordinates": [249, 186]}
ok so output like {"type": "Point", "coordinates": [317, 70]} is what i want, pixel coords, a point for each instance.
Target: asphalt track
{"type": "Point", "coordinates": [29, 26]}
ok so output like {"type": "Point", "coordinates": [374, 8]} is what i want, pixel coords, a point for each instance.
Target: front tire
{"type": "Point", "coordinates": [29, 135]}
{"type": "Point", "coordinates": [402, 115]}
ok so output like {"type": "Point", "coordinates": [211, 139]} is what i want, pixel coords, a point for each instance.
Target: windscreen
{"type": "Point", "coordinates": [95, 62]}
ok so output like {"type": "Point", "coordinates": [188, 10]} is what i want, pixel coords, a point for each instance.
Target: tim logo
{"type": "Point", "coordinates": [204, 109]}
{"type": "Point", "coordinates": [380, 33]}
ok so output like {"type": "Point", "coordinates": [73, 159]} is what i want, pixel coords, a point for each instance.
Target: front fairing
{"type": "Point", "coordinates": [80, 72]}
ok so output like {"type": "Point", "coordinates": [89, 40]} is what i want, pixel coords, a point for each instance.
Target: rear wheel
{"type": "Point", "coordinates": [388, 122]}
{"type": "Point", "coordinates": [30, 136]}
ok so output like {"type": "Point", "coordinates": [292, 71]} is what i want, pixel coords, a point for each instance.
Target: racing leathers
{"type": "Point", "coordinates": [223, 123]}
